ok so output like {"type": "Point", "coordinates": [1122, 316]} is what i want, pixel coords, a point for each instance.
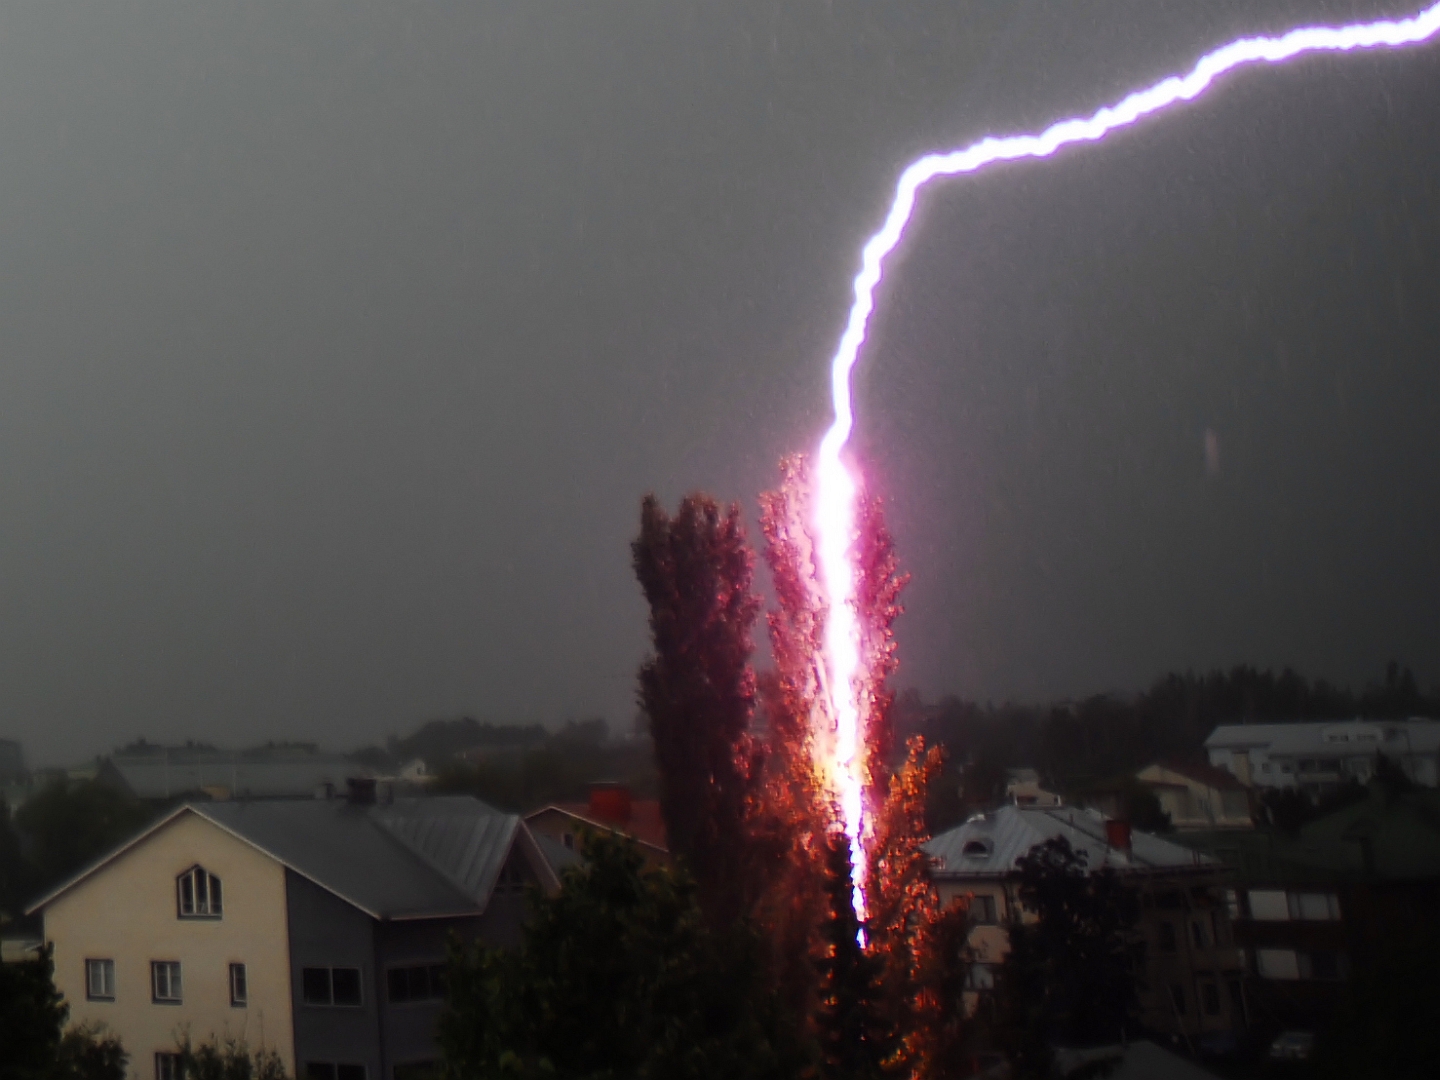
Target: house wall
{"type": "Point", "coordinates": [127, 912]}
{"type": "Point", "coordinates": [1191, 963]}
{"type": "Point", "coordinates": [325, 931]}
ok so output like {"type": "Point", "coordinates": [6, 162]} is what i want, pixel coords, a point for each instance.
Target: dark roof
{"type": "Point", "coordinates": [1399, 833]}
{"type": "Point", "coordinates": [413, 858]}
{"type": "Point", "coordinates": [161, 776]}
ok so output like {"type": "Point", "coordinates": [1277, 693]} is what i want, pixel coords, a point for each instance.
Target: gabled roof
{"type": "Point", "coordinates": [990, 844]}
{"type": "Point", "coordinates": [1201, 773]}
{"type": "Point", "coordinates": [646, 824]}
{"type": "Point", "coordinates": [414, 858]}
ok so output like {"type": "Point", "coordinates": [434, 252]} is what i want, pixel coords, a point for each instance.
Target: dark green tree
{"type": "Point", "coordinates": [70, 823]}
{"type": "Point", "coordinates": [16, 874]}
{"type": "Point", "coordinates": [618, 978]}
{"type": "Point", "coordinates": [853, 1039]}
{"type": "Point", "coordinates": [229, 1058]}
{"type": "Point", "coordinates": [91, 1052]}
{"type": "Point", "coordinates": [698, 689]}
{"type": "Point", "coordinates": [1070, 976]}
{"type": "Point", "coordinates": [32, 1014]}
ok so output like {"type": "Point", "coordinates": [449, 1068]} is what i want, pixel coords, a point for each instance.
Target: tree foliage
{"type": "Point", "coordinates": [34, 1044]}
{"type": "Point", "coordinates": [1069, 978]}
{"type": "Point", "coordinates": [698, 690]}
{"type": "Point", "coordinates": [69, 823]}
{"type": "Point", "coordinates": [229, 1058]}
{"type": "Point", "coordinates": [619, 977]}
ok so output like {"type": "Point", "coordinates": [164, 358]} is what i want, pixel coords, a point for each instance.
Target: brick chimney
{"type": "Point", "coordinates": [1117, 834]}
{"type": "Point", "coordinates": [610, 803]}
{"type": "Point", "coordinates": [361, 790]}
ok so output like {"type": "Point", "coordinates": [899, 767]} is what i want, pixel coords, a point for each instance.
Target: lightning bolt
{"type": "Point", "coordinates": [836, 484]}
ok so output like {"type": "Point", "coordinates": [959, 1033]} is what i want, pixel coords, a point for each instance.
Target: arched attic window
{"type": "Point", "coordinates": [198, 894]}
{"type": "Point", "coordinates": [977, 849]}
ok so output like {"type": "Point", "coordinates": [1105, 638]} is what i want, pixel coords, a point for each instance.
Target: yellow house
{"type": "Point", "coordinates": [312, 928]}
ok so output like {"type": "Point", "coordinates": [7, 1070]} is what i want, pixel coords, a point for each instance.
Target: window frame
{"type": "Point", "coordinates": [169, 1065]}
{"type": "Point", "coordinates": [199, 880]}
{"type": "Point", "coordinates": [174, 982]}
{"type": "Point", "coordinates": [433, 979]}
{"type": "Point", "coordinates": [107, 969]}
{"type": "Point", "coordinates": [330, 1002]}
{"type": "Point", "coordinates": [239, 989]}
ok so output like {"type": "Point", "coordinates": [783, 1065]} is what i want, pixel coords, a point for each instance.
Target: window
{"type": "Point", "coordinates": [198, 892]}
{"type": "Point", "coordinates": [329, 1070]}
{"type": "Point", "coordinates": [100, 980]}
{"type": "Point", "coordinates": [1232, 903]}
{"type": "Point", "coordinates": [511, 879]}
{"type": "Point", "coordinates": [331, 986]}
{"type": "Point", "coordinates": [1166, 933]}
{"type": "Point", "coordinates": [1314, 907]}
{"type": "Point", "coordinates": [168, 1067]}
{"type": "Point", "coordinates": [239, 991]}
{"type": "Point", "coordinates": [568, 839]}
{"type": "Point", "coordinates": [980, 977]}
{"type": "Point", "coordinates": [417, 1070]}
{"type": "Point", "coordinates": [977, 849]}
{"type": "Point", "coordinates": [1269, 905]}
{"type": "Point", "coordinates": [1177, 998]}
{"type": "Point", "coordinates": [1210, 998]}
{"type": "Point", "coordinates": [1197, 934]}
{"type": "Point", "coordinates": [422, 982]}
{"type": "Point", "coordinates": [1323, 964]}
{"type": "Point", "coordinates": [982, 910]}
{"type": "Point", "coordinates": [165, 981]}
{"type": "Point", "coordinates": [1277, 963]}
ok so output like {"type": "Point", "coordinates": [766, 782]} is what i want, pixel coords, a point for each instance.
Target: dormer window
{"type": "Point", "coordinates": [977, 849]}
{"type": "Point", "coordinates": [198, 893]}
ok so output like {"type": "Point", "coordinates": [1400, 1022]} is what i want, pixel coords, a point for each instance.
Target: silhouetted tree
{"type": "Point", "coordinates": [69, 823]}
{"type": "Point", "coordinates": [698, 690]}
{"type": "Point", "coordinates": [1069, 978]}
{"type": "Point", "coordinates": [618, 976]}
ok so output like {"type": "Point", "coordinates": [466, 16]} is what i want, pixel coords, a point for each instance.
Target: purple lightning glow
{"type": "Point", "coordinates": [836, 486]}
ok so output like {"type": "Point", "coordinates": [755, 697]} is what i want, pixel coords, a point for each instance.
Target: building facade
{"type": "Point", "coordinates": [315, 929]}
{"type": "Point", "coordinates": [1192, 982]}
{"type": "Point", "coordinates": [1318, 757]}
{"type": "Point", "coordinates": [1198, 796]}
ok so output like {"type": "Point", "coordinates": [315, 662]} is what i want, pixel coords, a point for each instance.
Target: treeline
{"type": "Point", "coordinates": [1077, 744]}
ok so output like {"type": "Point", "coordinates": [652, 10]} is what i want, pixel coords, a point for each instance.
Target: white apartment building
{"type": "Point", "coordinates": [1316, 756]}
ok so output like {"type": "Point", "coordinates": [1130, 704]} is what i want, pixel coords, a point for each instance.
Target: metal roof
{"type": "Point", "coordinates": [413, 858]}
{"type": "Point", "coordinates": [159, 776]}
{"type": "Point", "coordinates": [990, 844]}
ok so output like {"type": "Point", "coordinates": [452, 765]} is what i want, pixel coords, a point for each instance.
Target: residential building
{"type": "Point", "coordinates": [1314, 908]}
{"type": "Point", "coordinates": [1022, 787]}
{"type": "Point", "coordinates": [611, 809]}
{"type": "Point", "coordinates": [315, 928]}
{"type": "Point", "coordinates": [1198, 796]}
{"type": "Point", "coordinates": [1317, 757]}
{"type": "Point", "coordinates": [166, 772]}
{"type": "Point", "coordinates": [1191, 985]}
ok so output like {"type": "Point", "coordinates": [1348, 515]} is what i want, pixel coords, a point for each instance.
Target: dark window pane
{"type": "Point", "coordinates": [397, 983]}
{"type": "Point", "coordinates": [214, 895]}
{"type": "Point", "coordinates": [437, 981]}
{"type": "Point", "coordinates": [317, 986]}
{"type": "Point", "coordinates": [187, 894]}
{"type": "Point", "coordinates": [417, 1070]}
{"type": "Point", "coordinates": [1325, 965]}
{"type": "Point", "coordinates": [1177, 995]}
{"type": "Point", "coordinates": [1167, 937]}
{"type": "Point", "coordinates": [349, 1072]}
{"type": "Point", "coordinates": [319, 1070]}
{"type": "Point", "coordinates": [346, 982]}
{"type": "Point", "coordinates": [419, 983]}
{"type": "Point", "coordinates": [1211, 996]}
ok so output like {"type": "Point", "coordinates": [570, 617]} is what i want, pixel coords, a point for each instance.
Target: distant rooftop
{"type": "Point", "coordinates": [991, 844]}
{"type": "Point", "coordinates": [230, 774]}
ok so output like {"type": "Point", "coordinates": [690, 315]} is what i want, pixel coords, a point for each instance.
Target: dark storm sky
{"type": "Point", "coordinates": [341, 340]}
